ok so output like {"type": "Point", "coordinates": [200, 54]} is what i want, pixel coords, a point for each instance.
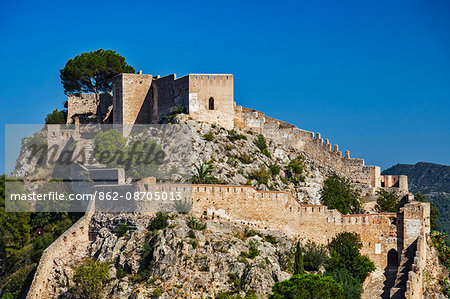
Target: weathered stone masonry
{"type": "Point", "coordinates": [276, 210]}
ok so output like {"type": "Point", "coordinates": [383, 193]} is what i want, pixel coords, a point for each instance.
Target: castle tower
{"type": "Point", "coordinates": [141, 99]}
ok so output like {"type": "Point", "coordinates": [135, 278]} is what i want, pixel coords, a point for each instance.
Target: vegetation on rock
{"type": "Point", "coordinates": [90, 279]}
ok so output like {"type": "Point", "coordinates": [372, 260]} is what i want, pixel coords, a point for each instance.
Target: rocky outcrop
{"type": "Point", "coordinates": [183, 261]}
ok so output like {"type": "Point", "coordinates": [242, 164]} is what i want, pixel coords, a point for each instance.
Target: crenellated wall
{"type": "Point", "coordinates": [275, 210]}
{"type": "Point", "coordinates": [281, 211]}
{"type": "Point", "coordinates": [315, 146]}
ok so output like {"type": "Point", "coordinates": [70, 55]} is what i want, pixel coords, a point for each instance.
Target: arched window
{"type": "Point", "coordinates": [392, 258]}
{"type": "Point", "coordinates": [211, 103]}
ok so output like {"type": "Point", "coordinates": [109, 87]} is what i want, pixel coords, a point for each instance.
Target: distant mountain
{"type": "Point", "coordinates": [433, 180]}
{"type": "Point", "coordinates": [424, 177]}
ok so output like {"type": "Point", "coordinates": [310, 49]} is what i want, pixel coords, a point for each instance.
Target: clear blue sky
{"type": "Point", "coordinates": [372, 76]}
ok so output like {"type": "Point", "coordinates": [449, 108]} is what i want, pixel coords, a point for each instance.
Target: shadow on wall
{"type": "Point", "coordinates": [390, 272]}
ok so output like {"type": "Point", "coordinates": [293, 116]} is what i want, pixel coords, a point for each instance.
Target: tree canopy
{"type": "Point", "coordinates": [337, 193]}
{"type": "Point", "coordinates": [56, 117]}
{"type": "Point", "coordinates": [344, 254]}
{"type": "Point", "coordinates": [387, 201]}
{"type": "Point", "coordinates": [93, 71]}
{"type": "Point", "coordinates": [307, 286]}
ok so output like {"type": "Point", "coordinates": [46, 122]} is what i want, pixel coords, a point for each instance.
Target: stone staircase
{"type": "Point", "coordinates": [88, 146]}
{"type": "Point", "coordinates": [406, 261]}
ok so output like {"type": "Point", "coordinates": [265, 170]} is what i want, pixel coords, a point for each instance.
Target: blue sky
{"type": "Point", "coordinates": [372, 76]}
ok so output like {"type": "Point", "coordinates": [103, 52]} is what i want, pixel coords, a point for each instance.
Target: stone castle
{"type": "Point", "coordinates": [392, 240]}
{"type": "Point", "coordinates": [145, 99]}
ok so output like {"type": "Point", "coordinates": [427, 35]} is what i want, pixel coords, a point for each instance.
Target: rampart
{"type": "Point", "coordinates": [315, 146]}
{"type": "Point", "coordinates": [71, 239]}
{"type": "Point", "coordinates": [276, 210]}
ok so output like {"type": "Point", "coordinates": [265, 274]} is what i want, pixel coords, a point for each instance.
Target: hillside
{"type": "Point", "coordinates": [424, 177]}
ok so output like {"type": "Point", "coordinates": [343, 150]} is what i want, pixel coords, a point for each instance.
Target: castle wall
{"type": "Point", "coordinates": [414, 284]}
{"type": "Point", "coordinates": [75, 237]}
{"type": "Point", "coordinates": [219, 88]}
{"type": "Point", "coordinates": [316, 147]}
{"type": "Point", "coordinates": [168, 92]}
{"type": "Point", "coordinates": [280, 211]}
{"type": "Point", "coordinates": [86, 104]}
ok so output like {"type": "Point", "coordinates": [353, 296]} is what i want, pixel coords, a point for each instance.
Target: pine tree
{"type": "Point", "coordinates": [298, 262]}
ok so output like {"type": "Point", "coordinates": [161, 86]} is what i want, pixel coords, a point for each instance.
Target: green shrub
{"type": "Point", "coordinates": [233, 136]}
{"type": "Point", "coordinates": [183, 206]}
{"type": "Point", "coordinates": [296, 165]}
{"type": "Point", "coordinates": [298, 260]}
{"type": "Point", "coordinates": [351, 285]}
{"type": "Point", "coordinates": [157, 293]}
{"type": "Point", "coordinates": [344, 254]}
{"type": "Point", "coordinates": [337, 193]}
{"type": "Point", "coordinates": [90, 279]}
{"type": "Point", "coordinates": [194, 223]}
{"type": "Point", "coordinates": [14, 286]}
{"type": "Point", "coordinates": [209, 136]}
{"type": "Point", "coordinates": [252, 251]}
{"type": "Point", "coordinates": [56, 117]}
{"type": "Point", "coordinates": [122, 229]}
{"type": "Point", "coordinates": [111, 141]}
{"type": "Point", "coordinates": [235, 281]}
{"type": "Point", "coordinates": [201, 174]}
{"type": "Point", "coordinates": [262, 176]}
{"type": "Point", "coordinates": [314, 256]}
{"type": "Point", "coordinates": [271, 239]}
{"type": "Point", "coordinates": [445, 286]}
{"type": "Point", "coordinates": [191, 234]}
{"type": "Point", "coordinates": [260, 142]}
{"type": "Point", "coordinates": [245, 159]}
{"type": "Point", "coordinates": [266, 152]}
{"type": "Point", "coordinates": [159, 222]}
{"type": "Point", "coordinates": [274, 169]}
{"type": "Point", "coordinates": [174, 111]}
{"type": "Point", "coordinates": [388, 201]}
{"type": "Point", "coordinates": [444, 251]}
{"type": "Point", "coordinates": [307, 286]}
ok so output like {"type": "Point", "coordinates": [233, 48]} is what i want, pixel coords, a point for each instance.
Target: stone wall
{"type": "Point", "coordinates": [168, 92]}
{"type": "Point", "coordinates": [277, 210]}
{"type": "Point", "coordinates": [132, 98]}
{"type": "Point", "coordinates": [85, 106]}
{"type": "Point", "coordinates": [281, 211]}
{"type": "Point", "coordinates": [414, 284]}
{"type": "Point", "coordinates": [75, 236]}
